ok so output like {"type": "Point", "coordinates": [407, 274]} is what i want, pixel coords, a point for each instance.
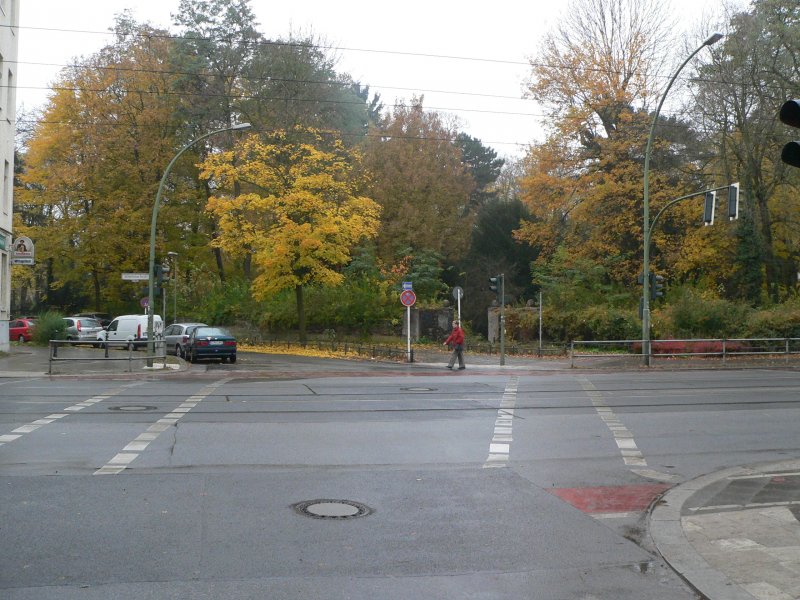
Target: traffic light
{"type": "Point", "coordinates": [656, 286]}
{"type": "Point", "coordinates": [496, 285]}
{"type": "Point", "coordinates": [708, 210]}
{"type": "Point", "coordinates": [790, 115]}
{"type": "Point", "coordinates": [493, 285]}
{"type": "Point", "coordinates": [159, 280]}
{"type": "Point", "coordinates": [733, 201]}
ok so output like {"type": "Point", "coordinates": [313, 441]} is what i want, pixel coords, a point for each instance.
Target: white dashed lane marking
{"type": "Point", "coordinates": [623, 437]}
{"type": "Point", "coordinates": [500, 446]}
{"type": "Point", "coordinates": [34, 425]}
{"type": "Point", "coordinates": [132, 450]}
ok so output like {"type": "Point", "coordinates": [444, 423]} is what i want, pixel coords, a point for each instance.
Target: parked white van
{"type": "Point", "coordinates": [131, 328]}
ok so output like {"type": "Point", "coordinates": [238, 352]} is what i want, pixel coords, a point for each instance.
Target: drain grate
{"type": "Point", "coordinates": [132, 408]}
{"type": "Point", "coordinates": [332, 509]}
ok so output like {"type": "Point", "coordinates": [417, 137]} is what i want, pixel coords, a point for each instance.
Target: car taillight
{"type": "Point", "coordinates": [202, 342]}
{"type": "Point", "coordinates": [185, 339]}
{"type": "Point", "coordinates": [139, 331]}
{"type": "Point", "coordinates": [78, 325]}
{"type": "Point", "coordinates": [230, 343]}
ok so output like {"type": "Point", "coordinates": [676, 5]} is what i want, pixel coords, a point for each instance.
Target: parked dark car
{"type": "Point", "coordinates": [176, 336]}
{"type": "Point", "coordinates": [21, 330]}
{"type": "Point", "coordinates": [211, 342]}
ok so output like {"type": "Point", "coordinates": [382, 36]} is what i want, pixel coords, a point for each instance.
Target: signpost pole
{"type": "Point", "coordinates": [407, 299]}
{"type": "Point", "coordinates": [408, 331]}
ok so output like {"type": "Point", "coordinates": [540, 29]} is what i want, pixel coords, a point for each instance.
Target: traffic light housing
{"type": "Point", "coordinates": [709, 207]}
{"type": "Point", "coordinates": [158, 284]}
{"type": "Point", "coordinates": [656, 286]}
{"type": "Point", "coordinates": [493, 284]}
{"type": "Point", "coordinates": [733, 201]}
{"type": "Point", "coordinates": [496, 285]}
{"type": "Point", "coordinates": [790, 115]}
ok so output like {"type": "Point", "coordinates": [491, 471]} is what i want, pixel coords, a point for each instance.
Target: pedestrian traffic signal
{"type": "Point", "coordinates": [733, 201]}
{"type": "Point", "coordinates": [708, 210]}
{"type": "Point", "coordinates": [656, 286]}
{"type": "Point", "coordinates": [790, 115]}
{"type": "Point", "coordinates": [493, 284]}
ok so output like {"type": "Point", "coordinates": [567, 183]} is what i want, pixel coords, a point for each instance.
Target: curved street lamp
{"type": "Point", "coordinates": [646, 230]}
{"type": "Point", "coordinates": [151, 269]}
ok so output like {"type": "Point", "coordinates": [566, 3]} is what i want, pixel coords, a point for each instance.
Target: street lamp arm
{"type": "Point", "coordinates": [154, 220]}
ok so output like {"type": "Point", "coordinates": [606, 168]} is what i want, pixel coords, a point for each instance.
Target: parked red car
{"type": "Point", "coordinates": [21, 330]}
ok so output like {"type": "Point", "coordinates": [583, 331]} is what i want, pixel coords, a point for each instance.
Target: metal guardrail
{"type": "Point", "coordinates": [160, 352]}
{"type": "Point", "coordinates": [723, 348]}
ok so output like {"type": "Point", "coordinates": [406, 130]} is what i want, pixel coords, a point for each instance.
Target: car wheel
{"type": "Point", "coordinates": [232, 359]}
{"type": "Point", "coordinates": [21, 339]}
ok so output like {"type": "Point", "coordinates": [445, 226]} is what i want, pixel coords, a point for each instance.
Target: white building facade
{"type": "Point", "coordinates": [9, 36]}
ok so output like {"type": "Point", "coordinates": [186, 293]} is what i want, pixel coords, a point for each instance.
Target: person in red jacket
{"type": "Point", "coordinates": [457, 339]}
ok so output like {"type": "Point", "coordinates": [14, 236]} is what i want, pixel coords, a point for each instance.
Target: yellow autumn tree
{"type": "Point", "coordinates": [299, 213]}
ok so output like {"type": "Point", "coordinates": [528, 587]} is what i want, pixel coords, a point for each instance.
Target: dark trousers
{"type": "Point", "coordinates": [458, 351]}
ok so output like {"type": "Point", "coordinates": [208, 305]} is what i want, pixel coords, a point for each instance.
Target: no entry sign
{"type": "Point", "coordinates": [407, 298]}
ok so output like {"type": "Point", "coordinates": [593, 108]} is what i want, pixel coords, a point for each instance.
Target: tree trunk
{"type": "Point", "coordinates": [96, 282]}
{"type": "Point", "coordinates": [301, 313]}
{"type": "Point", "coordinates": [218, 258]}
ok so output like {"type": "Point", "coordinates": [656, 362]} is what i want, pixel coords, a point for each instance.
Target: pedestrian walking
{"type": "Point", "coordinates": [456, 338]}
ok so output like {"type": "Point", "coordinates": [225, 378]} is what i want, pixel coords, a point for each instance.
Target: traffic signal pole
{"type": "Point", "coordinates": [646, 202]}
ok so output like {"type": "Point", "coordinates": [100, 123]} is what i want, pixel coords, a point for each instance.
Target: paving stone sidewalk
{"type": "Point", "coordinates": [735, 534]}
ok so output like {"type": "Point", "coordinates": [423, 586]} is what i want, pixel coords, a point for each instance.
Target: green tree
{"type": "Point", "coordinates": [741, 87]}
{"type": "Point", "coordinates": [483, 166]}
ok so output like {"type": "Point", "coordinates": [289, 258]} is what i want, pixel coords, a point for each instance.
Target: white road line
{"type": "Point", "coordinates": [132, 450]}
{"type": "Point", "coordinates": [500, 446]}
{"type": "Point", "coordinates": [38, 423]}
{"type": "Point", "coordinates": [631, 455]}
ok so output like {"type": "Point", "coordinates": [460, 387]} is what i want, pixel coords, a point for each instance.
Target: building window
{"type": "Point", "coordinates": [6, 187]}
{"type": "Point", "coordinates": [10, 96]}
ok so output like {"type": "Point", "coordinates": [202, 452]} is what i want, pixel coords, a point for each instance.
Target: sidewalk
{"type": "Point", "coordinates": [734, 534]}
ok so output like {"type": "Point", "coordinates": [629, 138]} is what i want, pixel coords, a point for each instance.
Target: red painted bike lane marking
{"type": "Point", "coordinates": [611, 499]}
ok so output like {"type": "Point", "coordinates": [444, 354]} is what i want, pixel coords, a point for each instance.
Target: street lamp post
{"type": "Point", "coordinates": [157, 204]}
{"type": "Point", "coordinates": [646, 229]}
{"type": "Point", "coordinates": [173, 257]}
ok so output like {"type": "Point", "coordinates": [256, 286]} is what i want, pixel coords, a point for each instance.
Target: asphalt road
{"type": "Point", "coordinates": [478, 484]}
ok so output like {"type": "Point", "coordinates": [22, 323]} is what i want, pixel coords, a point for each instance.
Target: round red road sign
{"type": "Point", "coordinates": [407, 298]}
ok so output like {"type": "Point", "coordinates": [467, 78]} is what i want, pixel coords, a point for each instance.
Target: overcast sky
{"type": "Point", "coordinates": [484, 94]}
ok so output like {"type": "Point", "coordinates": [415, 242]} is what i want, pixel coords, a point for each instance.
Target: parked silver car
{"type": "Point", "coordinates": [83, 329]}
{"type": "Point", "coordinates": [176, 336]}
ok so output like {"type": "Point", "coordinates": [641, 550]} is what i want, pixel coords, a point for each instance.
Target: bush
{"type": "Point", "coordinates": [49, 326]}
{"type": "Point", "coordinates": [694, 315]}
{"type": "Point", "coordinates": [776, 322]}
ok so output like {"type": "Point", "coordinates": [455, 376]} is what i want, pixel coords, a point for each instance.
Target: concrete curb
{"type": "Point", "coordinates": [666, 531]}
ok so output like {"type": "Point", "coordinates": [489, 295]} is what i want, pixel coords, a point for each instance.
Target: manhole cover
{"type": "Point", "coordinates": [132, 408]}
{"type": "Point", "coordinates": [332, 509]}
{"type": "Point", "coordinates": [418, 389]}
